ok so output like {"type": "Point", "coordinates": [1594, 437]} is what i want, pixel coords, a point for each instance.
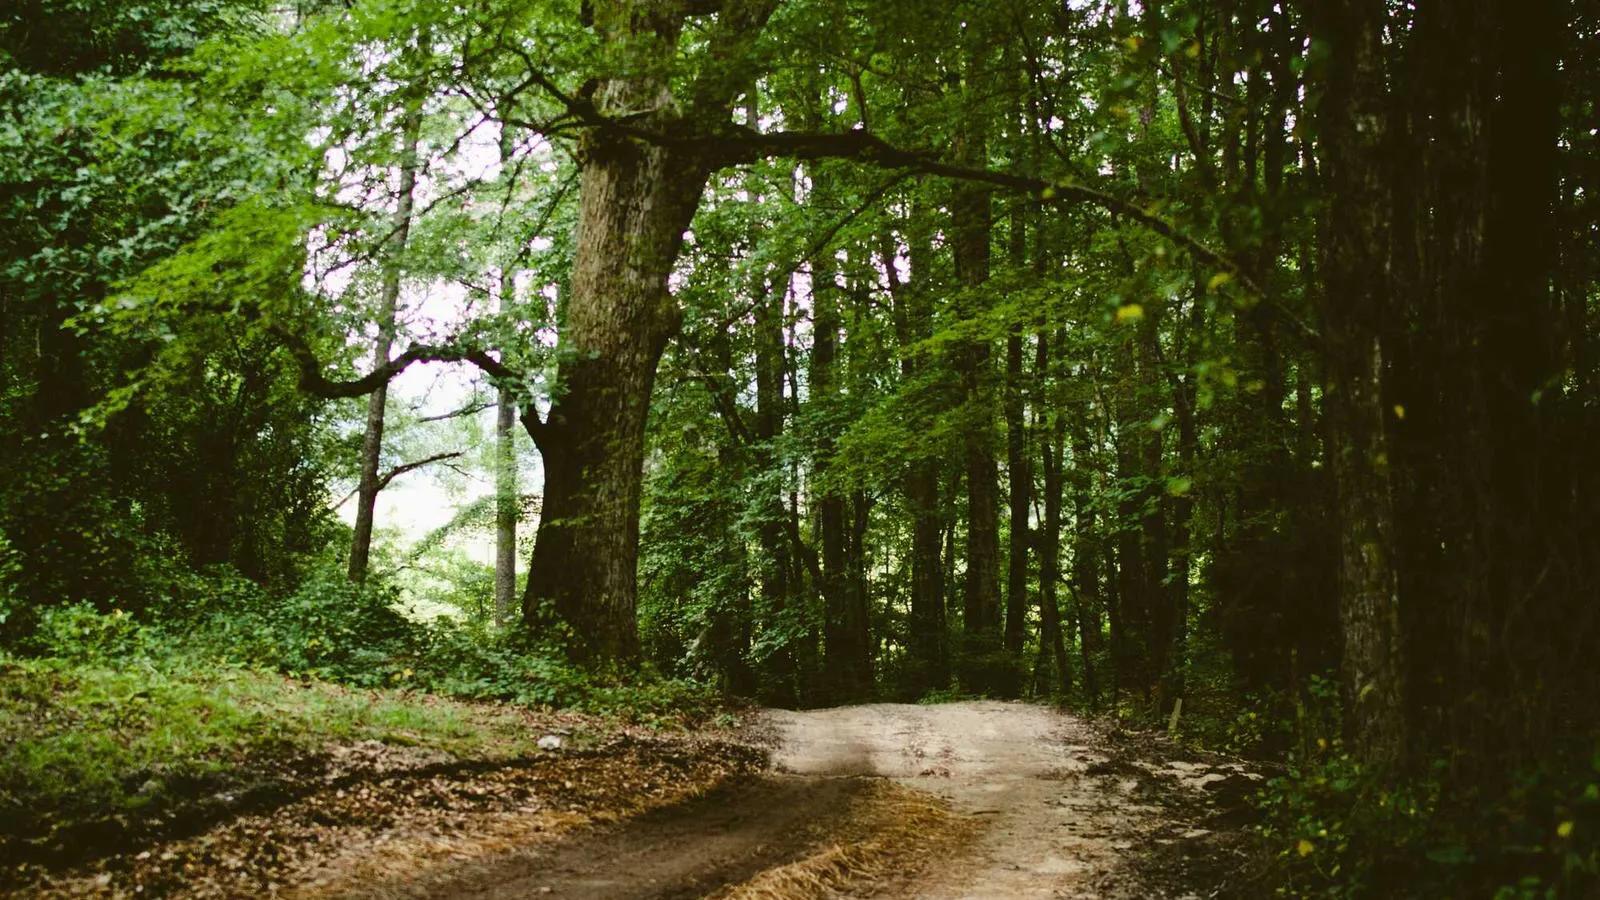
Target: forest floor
{"type": "Point", "coordinates": [975, 799]}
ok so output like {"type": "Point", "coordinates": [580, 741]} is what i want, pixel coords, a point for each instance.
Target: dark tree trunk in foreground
{"type": "Point", "coordinates": [1184, 402]}
{"type": "Point", "coordinates": [846, 653]}
{"type": "Point", "coordinates": [1354, 250]}
{"type": "Point", "coordinates": [388, 306]}
{"type": "Point", "coordinates": [1085, 561]}
{"type": "Point", "coordinates": [777, 562]}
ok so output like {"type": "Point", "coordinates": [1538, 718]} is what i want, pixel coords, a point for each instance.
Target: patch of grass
{"type": "Point", "coordinates": [81, 741]}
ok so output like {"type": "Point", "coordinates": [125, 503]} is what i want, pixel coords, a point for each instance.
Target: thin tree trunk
{"type": "Point", "coordinates": [1018, 471]}
{"type": "Point", "coordinates": [1051, 446]}
{"type": "Point", "coordinates": [505, 506]}
{"type": "Point", "coordinates": [1158, 613]}
{"type": "Point", "coordinates": [505, 455]}
{"type": "Point", "coordinates": [388, 307]}
{"type": "Point", "coordinates": [1085, 563]}
{"type": "Point", "coordinates": [1174, 681]}
{"type": "Point", "coordinates": [777, 586]}
{"type": "Point", "coordinates": [846, 659]}
{"type": "Point", "coordinates": [971, 220]}
{"type": "Point", "coordinates": [927, 663]}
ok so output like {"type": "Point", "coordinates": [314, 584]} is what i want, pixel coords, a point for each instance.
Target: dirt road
{"type": "Point", "coordinates": [1062, 818]}
{"type": "Point", "coordinates": [979, 799]}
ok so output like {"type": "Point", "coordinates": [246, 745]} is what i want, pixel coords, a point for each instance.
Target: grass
{"type": "Point", "coordinates": [84, 740]}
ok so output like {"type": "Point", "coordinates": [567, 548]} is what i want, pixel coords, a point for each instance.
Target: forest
{"type": "Point", "coordinates": [544, 427]}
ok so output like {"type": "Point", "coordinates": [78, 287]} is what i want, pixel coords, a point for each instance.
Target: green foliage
{"type": "Point", "coordinates": [1333, 827]}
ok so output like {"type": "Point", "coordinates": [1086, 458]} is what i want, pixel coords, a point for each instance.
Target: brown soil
{"type": "Point", "coordinates": [982, 799]}
{"type": "Point", "coordinates": [723, 838]}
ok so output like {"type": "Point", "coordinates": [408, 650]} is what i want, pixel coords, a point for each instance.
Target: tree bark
{"type": "Point", "coordinates": [388, 307]}
{"type": "Point", "coordinates": [927, 661]}
{"type": "Point", "coordinates": [1085, 561]}
{"type": "Point", "coordinates": [1052, 641]}
{"type": "Point", "coordinates": [505, 454]}
{"type": "Point", "coordinates": [971, 222]}
{"type": "Point", "coordinates": [635, 203]}
{"type": "Point", "coordinates": [846, 654]}
{"type": "Point", "coordinates": [1019, 470]}
{"type": "Point", "coordinates": [636, 199]}
{"type": "Point", "coordinates": [777, 587]}
{"type": "Point", "coordinates": [1354, 264]}
{"type": "Point", "coordinates": [506, 496]}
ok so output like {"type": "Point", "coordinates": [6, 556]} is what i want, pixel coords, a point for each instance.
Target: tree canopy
{"type": "Point", "coordinates": [1213, 356]}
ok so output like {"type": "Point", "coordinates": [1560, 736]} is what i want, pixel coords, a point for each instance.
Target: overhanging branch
{"type": "Point", "coordinates": [403, 468]}
{"type": "Point", "coordinates": [314, 382]}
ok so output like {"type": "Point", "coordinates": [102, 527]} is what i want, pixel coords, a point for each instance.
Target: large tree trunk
{"type": "Point", "coordinates": [635, 202]}
{"type": "Point", "coordinates": [1532, 566]}
{"type": "Point", "coordinates": [1354, 265]}
{"type": "Point", "coordinates": [388, 306]}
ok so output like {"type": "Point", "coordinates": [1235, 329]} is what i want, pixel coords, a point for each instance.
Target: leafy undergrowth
{"type": "Point", "coordinates": [1322, 825]}
{"type": "Point", "coordinates": [96, 760]}
{"type": "Point", "coordinates": [331, 630]}
{"type": "Point", "coordinates": [1334, 829]}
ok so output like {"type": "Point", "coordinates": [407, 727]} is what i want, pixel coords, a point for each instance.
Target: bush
{"type": "Point", "coordinates": [1334, 828]}
{"type": "Point", "coordinates": [80, 633]}
{"type": "Point", "coordinates": [333, 630]}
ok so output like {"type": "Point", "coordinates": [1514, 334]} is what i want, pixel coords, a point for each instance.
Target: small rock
{"type": "Point", "coordinates": [551, 742]}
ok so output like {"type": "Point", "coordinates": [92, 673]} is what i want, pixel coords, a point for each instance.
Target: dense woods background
{"type": "Point", "coordinates": [1236, 353]}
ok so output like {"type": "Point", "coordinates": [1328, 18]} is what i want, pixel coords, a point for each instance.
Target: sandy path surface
{"type": "Point", "coordinates": [1026, 802]}
{"type": "Point", "coordinates": [1054, 829]}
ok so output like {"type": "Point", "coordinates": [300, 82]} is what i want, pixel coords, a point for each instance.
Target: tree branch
{"type": "Point", "coordinates": [471, 409]}
{"type": "Point", "coordinates": [313, 382]}
{"type": "Point", "coordinates": [403, 468]}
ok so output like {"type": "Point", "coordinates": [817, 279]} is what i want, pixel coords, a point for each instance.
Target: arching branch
{"type": "Point", "coordinates": [314, 382]}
